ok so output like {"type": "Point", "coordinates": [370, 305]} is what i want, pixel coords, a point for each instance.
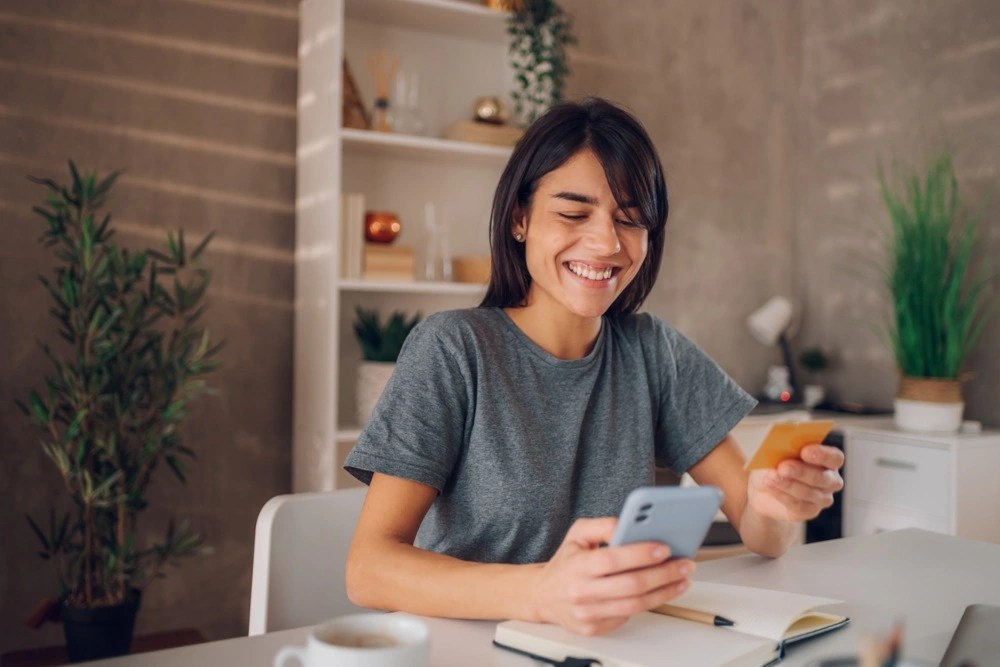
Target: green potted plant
{"type": "Point", "coordinates": [380, 347]}
{"type": "Point", "coordinates": [539, 33]}
{"type": "Point", "coordinates": [938, 309]}
{"type": "Point", "coordinates": [131, 354]}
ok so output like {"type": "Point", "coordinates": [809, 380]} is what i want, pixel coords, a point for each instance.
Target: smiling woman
{"type": "Point", "coordinates": [577, 161]}
{"type": "Point", "coordinates": [582, 252]}
{"type": "Point", "coordinates": [506, 428]}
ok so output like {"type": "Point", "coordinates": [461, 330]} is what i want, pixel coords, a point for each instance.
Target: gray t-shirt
{"type": "Point", "coordinates": [520, 444]}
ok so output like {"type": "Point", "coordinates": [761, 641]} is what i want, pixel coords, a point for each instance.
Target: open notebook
{"type": "Point", "coordinates": [765, 621]}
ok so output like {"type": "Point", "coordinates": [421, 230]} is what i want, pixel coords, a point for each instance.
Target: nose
{"type": "Point", "coordinates": [602, 236]}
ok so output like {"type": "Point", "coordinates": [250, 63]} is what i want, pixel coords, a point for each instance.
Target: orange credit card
{"type": "Point", "coordinates": [785, 440]}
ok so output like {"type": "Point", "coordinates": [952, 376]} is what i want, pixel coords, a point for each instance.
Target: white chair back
{"type": "Point", "coordinates": [300, 558]}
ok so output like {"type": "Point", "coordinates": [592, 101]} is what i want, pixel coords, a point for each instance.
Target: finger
{"type": "Point", "coordinates": [629, 606]}
{"type": "Point", "coordinates": [824, 479]}
{"type": "Point", "coordinates": [600, 626]}
{"type": "Point", "coordinates": [800, 500]}
{"type": "Point", "coordinates": [612, 560]}
{"type": "Point", "coordinates": [801, 491]}
{"type": "Point", "coordinates": [637, 582]}
{"type": "Point", "coordinates": [591, 532]}
{"type": "Point", "coordinates": [824, 456]}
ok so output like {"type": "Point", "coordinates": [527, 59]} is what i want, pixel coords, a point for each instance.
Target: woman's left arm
{"type": "Point", "coordinates": [767, 506]}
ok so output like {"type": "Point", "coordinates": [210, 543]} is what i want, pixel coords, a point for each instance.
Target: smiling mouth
{"type": "Point", "coordinates": [596, 274]}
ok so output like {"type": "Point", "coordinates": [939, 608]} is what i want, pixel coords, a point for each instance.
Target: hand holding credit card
{"type": "Point", "coordinates": [785, 440]}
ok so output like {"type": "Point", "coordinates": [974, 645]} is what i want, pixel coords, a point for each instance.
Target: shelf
{"type": "Point", "coordinates": [411, 287]}
{"type": "Point", "coordinates": [404, 145]}
{"type": "Point", "coordinates": [449, 17]}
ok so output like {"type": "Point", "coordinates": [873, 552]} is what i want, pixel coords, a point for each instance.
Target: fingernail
{"type": "Point", "coordinates": [687, 568]}
{"type": "Point", "coordinates": [661, 552]}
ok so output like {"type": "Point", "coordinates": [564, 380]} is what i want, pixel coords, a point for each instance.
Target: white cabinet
{"type": "Point", "coordinates": [948, 483]}
{"type": "Point", "coordinates": [459, 50]}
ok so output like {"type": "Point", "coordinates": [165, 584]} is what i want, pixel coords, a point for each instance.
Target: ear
{"type": "Point", "coordinates": [520, 225]}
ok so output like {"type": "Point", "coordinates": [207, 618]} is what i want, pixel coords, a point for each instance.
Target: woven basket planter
{"type": "Point", "coordinates": [929, 404]}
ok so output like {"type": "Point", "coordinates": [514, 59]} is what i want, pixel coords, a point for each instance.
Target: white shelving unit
{"type": "Point", "coordinates": [390, 145]}
{"type": "Point", "coordinates": [449, 17]}
{"type": "Point", "coordinates": [417, 287]}
{"type": "Point", "coordinates": [459, 50]}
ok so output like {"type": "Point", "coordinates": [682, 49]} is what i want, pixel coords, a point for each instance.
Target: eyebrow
{"type": "Point", "coordinates": [575, 196]}
{"type": "Point", "coordinates": [584, 199]}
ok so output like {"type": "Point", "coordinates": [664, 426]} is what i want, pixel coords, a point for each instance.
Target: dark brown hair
{"type": "Point", "coordinates": [632, 168]}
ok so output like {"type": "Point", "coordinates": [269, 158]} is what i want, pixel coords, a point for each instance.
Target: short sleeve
{"type": "Point", "coordinates": [417, 428]}
{"type": "Point", "coordinates": [699, 405]}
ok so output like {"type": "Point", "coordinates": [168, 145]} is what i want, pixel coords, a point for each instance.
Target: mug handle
{"type": "Point", "coordinates": [286, 652]}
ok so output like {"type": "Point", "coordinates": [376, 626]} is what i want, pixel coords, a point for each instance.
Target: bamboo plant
{"type": "Point", "coordinates": [130, 360]}
{"type": "Point", "coordinates": [938, 307]}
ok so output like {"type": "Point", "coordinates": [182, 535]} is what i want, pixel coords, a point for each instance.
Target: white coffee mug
{"type": "Point", "coordinates": [363, 640]}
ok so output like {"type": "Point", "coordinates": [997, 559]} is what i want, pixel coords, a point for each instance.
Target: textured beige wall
{"type": "Point", "coordinates": [886, 81]}
{"type": "Point", "coordinates": [771, 119]}
{"type": "Point", "coordinates": [716, 84]}
{"type": "Point", "coordinates": [196, 100]}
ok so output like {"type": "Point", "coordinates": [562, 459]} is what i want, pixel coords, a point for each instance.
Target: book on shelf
{"type": "Point", "coordinates": [764, 623]}
{"type": "Point", "coordinates": [352, 234]}
{"type": "Point", "coordinates": [388, 262]}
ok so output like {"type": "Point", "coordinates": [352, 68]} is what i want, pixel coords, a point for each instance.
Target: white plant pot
{"type": "Point", "coordinates": [372, 378]}
{"type": "Point", "coordinates": [925, 416]}
{"type": "Point", "coordinates": [813, 395]}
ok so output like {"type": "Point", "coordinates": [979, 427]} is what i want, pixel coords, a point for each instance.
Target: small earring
{"type": "Point", "coordinates": [519, 237]}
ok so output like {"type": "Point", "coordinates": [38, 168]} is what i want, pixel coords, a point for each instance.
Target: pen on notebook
{"type": "Point", "coordinates": [693, 615]}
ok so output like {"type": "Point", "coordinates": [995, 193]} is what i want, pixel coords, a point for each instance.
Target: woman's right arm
{"type": "Point", "coordinates": [585, 588]}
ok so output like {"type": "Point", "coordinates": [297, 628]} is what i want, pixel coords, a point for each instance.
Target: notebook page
{"type": "Point", "coordinates": [755, 611]}
{"type": "Point", "coordinates": [645, 640]}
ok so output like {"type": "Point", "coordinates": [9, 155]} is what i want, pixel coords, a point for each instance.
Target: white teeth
{"type": "Point", "coordinates": [591, 274]}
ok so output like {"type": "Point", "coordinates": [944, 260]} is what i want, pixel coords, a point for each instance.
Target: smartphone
{"type": "Point", "coordinates": [678, 516]}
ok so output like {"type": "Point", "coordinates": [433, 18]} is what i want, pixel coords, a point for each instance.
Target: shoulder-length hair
{"type": "Point", "coordinates": [632, 168]}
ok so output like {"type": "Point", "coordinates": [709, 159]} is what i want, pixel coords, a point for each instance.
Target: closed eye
{"type": "Point", "coordinates": [582, 216]}
{"type": "Point", "coordinates": [630, 223]}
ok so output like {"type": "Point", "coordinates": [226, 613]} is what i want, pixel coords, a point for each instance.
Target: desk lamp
{"type": "Point", "coordinates": [769, 324]}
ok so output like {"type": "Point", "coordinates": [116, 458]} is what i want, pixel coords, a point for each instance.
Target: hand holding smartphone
{"type": "Point", "coordinates": [676, 516]}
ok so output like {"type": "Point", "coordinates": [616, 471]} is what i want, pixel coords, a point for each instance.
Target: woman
{"type": "Point", "coordinates": [510, 434]}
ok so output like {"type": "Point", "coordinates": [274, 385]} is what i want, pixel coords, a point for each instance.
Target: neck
{"type": "Point", "coordinates": [564, 335]}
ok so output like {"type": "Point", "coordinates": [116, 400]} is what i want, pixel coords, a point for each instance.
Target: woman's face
{"type": "Point", "coordinates": [580, 247]}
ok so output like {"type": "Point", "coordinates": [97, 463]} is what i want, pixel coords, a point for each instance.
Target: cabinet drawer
{"type": "Point", "coordinates": [865, 519]}
{"type": "Point", "coordinates": [905, 476]}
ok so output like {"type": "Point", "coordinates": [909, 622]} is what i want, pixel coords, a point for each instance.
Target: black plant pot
{"type": "Point", "coordinates": [103, 632]}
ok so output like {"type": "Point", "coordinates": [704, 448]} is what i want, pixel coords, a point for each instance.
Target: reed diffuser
{"type": "Point", "coordinates": [383, 69]}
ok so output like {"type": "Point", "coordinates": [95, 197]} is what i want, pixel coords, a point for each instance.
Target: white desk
{"type": "Point", "coordinates": [922, 577]}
